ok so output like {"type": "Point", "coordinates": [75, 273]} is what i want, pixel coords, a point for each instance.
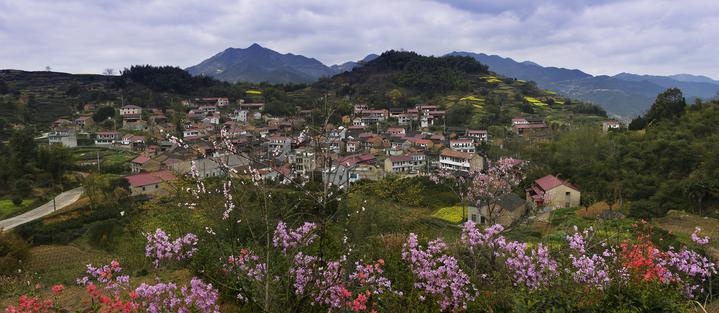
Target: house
{"type": "Point", "coordinates": [506, 211]}
{"type": "Point", "coordinates": [406, 118]}
{"type": "Point", "coordinates": [352, 146]}
{"type": "Point", "coordinates": [477, 135]}
{"type": "Point", "coordinates": [133, 142]}
{"type": "Point", "coordinates": [610, 125]}
{"type": "Point", "coordinates": [396, 131]}
{"type": "Point", "coordinates": [191, 132]}
{"type": "Point", "coordinates": [398, 164]}
{"type": "Point", "coordinates": [452, 160]}
{"type": "Point", "coordinates": [530, 130]}
{"type": "Point", "coordinates": [519, 121]}
{"type": "Point", "coordinates": [211, 166]}
{"type": "Point", "coordinates": [149, 183]}
{"type": "Point", "coordinates": [252, 106]}
{"type": "Point", "coordinates": [240, 116]}
{"type": "Point", "coordinates": [462, 145]}
{"type": "Point", "coordinates": [373, 116]}
{"type": "Point", "coordinates": [65, 137]}
{"type": "Point", "coordinates": [419, 143]}
{"type": "Point", "coordinates": [279, 145]}
{"type": "Point", "coordinates": [106, 138]}
{"type": "Point", "coordinates": [130, 110]}
{"type": "Point", "coordinates": [84, 121]}
{"type": "Point", "coordinates": [302, 161]}
{"type": "Point", "coordinates": [409, 163]}
{"type": "Point", "coordinates": [345, 173]}
{"type": "Point", "coordinates": [137, 163]}
{"type": "Point", "coordinates": [552, 192]}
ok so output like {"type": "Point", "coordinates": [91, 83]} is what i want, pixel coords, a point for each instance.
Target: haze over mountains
{"type": "Point", "coordinates": [624, 94]}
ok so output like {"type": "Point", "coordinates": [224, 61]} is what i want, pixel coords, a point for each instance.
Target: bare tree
{"type": "Point", "coordinates": [108, 72]}
{"type": "Point", "coordinates": [48, 68]}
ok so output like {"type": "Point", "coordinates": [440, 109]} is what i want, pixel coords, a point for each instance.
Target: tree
{"type": "Point", "coordinates": [489, 188]}
{"type": "Point", "coordinates": [459, 114]}
{"type": "Point", "coordinates": [95, 187]}
{"type": "Point", "coordinates": [394, 96]}
{"type": "Point", "coordinates": [48, 68]}
{"type": "Point", "coordinates": [669, 104]}
{"type": "Point", "coordinates": [108, 72]}
{"type": "Point", "coordinates": [637, 123]}
{"type": "Point", "coordinates": [103, 113]}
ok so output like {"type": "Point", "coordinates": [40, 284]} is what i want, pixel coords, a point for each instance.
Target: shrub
{"type": "Point", "coordinates": [12, 251]}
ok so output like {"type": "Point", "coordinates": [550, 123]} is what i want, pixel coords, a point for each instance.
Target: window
{"type": "Point", "coordinates": [474, 217]}
{"type": "Point", "coordinates": [482, 220]}
{"type": "Point", "coordinates": [156, 185]}
{"type": "Point", "coordinates": [143, 188]}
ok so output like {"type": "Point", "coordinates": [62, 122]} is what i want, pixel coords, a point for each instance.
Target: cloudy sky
{"type": "Point", "coordinates": [599, 37]}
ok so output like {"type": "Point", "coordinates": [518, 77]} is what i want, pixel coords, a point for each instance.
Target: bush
{"type": "Point", "coordinates": [16, 200]}
{"type": "Point", "coordinates": [13, 251]}
{"type": "Point", "coordinates": [104, 234]}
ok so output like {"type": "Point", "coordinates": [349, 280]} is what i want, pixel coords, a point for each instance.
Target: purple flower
{"type": "Point", "coordinates": [290, 239]}
{"type": "Point", "coordinates": [160, 247]}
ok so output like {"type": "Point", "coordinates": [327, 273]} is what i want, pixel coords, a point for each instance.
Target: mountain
{"type": "Point", "coordinates": [624, 94]}
{"type": "Point", "coordinates": [472, 95]}
{"type": "Point", "coordinates": [695, 89]}
{"type": "Point", "coordinates": [348, 66]}
{"type": "Point", "coordinates": [693, 78]}
{"type": "Point", "coordinates": [525, 70]}
{"type": "Point", "coordinates": [259, 64]}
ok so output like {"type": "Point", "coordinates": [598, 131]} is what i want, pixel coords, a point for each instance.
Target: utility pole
{"type": "Point", "coordinates": [98, 160]}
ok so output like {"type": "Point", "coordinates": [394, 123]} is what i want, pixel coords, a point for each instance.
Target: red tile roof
{"type": "Point", "coordinates": [140, 159]}
{"type": "Point", "coordinates": [144, 179]}
{"type": "Point", "coordinates": [550, 181]}
{"type": "Point", "coordinates": [456, 154]}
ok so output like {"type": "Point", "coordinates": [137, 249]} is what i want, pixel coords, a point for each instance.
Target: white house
{"type": "Point", "coordinates": [106, 138]}
{"type": "Point", "coordinates": [130, 110]}
{"type": "Point", "coordinates": [462, 145]}
{"type": "Point", "coordinates": [65, 137]}
{"type": "Point", "coordinates": [460, 161]}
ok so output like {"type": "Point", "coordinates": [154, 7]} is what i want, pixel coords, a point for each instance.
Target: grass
{"type": "Point", "coordinates": [8, 208]}
{"type": "Point", "coordinates": [452, 214]}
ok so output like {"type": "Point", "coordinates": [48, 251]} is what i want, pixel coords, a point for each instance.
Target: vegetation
{"type": "Point", "coordinates": [452, 214]}
{"type": "Point", "coordinates": [670, 165]}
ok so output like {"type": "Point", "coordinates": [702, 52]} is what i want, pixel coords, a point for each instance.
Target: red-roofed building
{"type": "Point", "coordinates": [137, 163]}
{"type": "Point", "coordinates": [149, 183]}
{"type": "Point", "coordinates": [553, 192]}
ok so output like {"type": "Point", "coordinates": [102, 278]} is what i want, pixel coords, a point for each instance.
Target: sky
{"type": "Point", "coordinates": [599, 37]}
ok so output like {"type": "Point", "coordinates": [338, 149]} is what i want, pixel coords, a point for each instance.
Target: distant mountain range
{"type": "Point", "coordinates": [259, 64]}
{"type": "Point", "coordinates": [625, 94]}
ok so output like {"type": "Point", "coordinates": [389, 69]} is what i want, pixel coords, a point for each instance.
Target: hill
{"type": "Point", "coordinates": [41, 97]}
{"type": "Point", "coordinates": [348, 66]}
{"type": "Point", "coordinates": [462, 85]}
{"type": "Point", "coordinates": [259, 64]}
{"type": "Point", "coordinates": [625, 94]}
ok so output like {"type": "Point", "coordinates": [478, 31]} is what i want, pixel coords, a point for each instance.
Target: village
{"type": "Point", "coordinates": [370, 144]}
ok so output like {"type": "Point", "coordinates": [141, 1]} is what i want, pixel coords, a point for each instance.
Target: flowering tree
{"type": "Point", "coordinates": [485, 188]}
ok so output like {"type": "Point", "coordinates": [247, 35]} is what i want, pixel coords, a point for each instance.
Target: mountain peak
{"type": "Point", "coordinates": [255, 46]}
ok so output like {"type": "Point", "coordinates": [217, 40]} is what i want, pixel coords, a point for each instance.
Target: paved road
{"type": "Point", "coordinates": [62, 200]}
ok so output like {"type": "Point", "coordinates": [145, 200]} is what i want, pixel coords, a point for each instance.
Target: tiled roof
{"type": "Point", "coordinates": [456, 154]}
{"type": "Point", "coordinates": [550, 181]}
{"type": "Point", "coordinates": [140, 159]}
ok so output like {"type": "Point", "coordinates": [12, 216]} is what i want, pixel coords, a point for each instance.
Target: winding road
{"type": "Point", "coordinates": [62, 200]}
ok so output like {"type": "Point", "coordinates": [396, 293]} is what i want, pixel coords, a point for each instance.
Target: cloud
{"type": "Point", "coordinates": [600, 37]}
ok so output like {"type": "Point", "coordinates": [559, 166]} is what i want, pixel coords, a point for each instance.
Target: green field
{"type": "Point", "coordinates": [7, 208]}
{"type": "Point", "coordinates": [452, 214]}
